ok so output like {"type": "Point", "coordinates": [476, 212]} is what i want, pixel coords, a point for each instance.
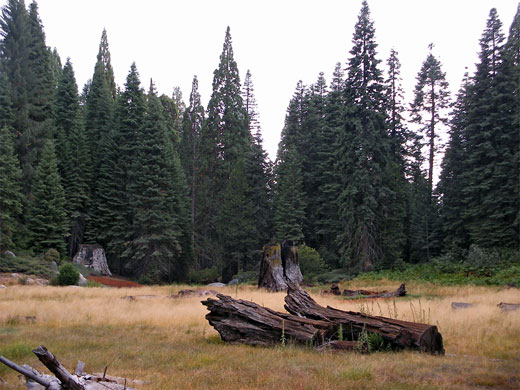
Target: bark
{"type": "Point", "coordinates": [279, 265]}
{"type": "Point", "coordinates": [239, 321]}
{"type": "Point", "coordinates": [400, 334]}
{"type": "Point", "coordinates": [68, 382]}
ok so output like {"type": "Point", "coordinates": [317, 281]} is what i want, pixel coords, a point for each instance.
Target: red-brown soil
{"type": "Point", "coordinates": [113, 282]}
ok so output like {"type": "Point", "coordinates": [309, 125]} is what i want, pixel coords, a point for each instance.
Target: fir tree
{"type": "Point", "coordinates": [224, 139]}
{"type": "Point", "coordinates": [236, 228]}
{"type": "Point", "coordinates": [451, 183]}
{"type": "Point", "coordinates": [429, 108]}
{"type": "Point", "coordinates": [73, 157]}
{"type": "Point", "coordinates": [157, 201]}
{"type": "Point", "coordinates": [189, 148]}
{"type": "Point", "coordinates": [47, 219]}
{"type": "Point", "coordinates": [491, 140]}
{"type": "Point", "coordinates": [289, 203]}
{"type": "Point", "coordinates": [258, 168]}
{"type": "Point", "coordinates": [10, 190]}
{"type": "Point", "coordinates": [363, 154]}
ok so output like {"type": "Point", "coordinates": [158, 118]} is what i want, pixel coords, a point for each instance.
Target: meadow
{"type": "Point", "coordinates": [170, 344]}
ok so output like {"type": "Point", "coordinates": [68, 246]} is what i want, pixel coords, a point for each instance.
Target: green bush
{"type": "Point", "coordinates": [68, 276]}
{"type": "Point", "coordinates": [311, 263]}
{"type": "Point", "coordinates": [52, 255]}
{"type": "Point", "coordinates": [203, 276]}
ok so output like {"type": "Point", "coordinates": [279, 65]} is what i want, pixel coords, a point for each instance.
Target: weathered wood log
{"type": "Point", "coordinates": [400, 292]}
{"type": "Point", "coordinates": [239, 321]}
{"type": "Point", "coordinates": [460, 305]}
{"type": "Point", "coordinates": [508, 306]}
{"type": "Point", "coordinates": [400, 334]}
{"type": "Point", "coordinates": [68, 382]}
{"type": "Point", "coordinates": [279, 265]}
{"type": "Point", "coordinates": [28, 373]}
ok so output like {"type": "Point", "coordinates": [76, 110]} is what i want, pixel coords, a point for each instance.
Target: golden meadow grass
{"type": "Point", "coordinates": [169, 342]}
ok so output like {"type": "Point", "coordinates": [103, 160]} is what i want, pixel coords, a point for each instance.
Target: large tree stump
{"type": "Point", "coordinates": [401, 334]}
{"type": "Point", "coordinates": [92, 256]}
{"type": "Point", "coordinates": [279, 265]}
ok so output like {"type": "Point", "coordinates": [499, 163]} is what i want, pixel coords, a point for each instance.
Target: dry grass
{"type": "Point", "coordinates": [169, 342]}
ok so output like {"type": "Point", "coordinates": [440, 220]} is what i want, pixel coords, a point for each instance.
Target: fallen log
{"type": "Point", "coordinates": [508, 306]}
{"type": "Point", "coordinates": [239, 321]}
{"type": "Point", "coordinates": [400, 292]}
{"type": "Point", "coordinates": [64, 380]}
{"type": "Point", "coordinates": [400, 334]}
{"type": "Point", "coordinates": [461, 305]}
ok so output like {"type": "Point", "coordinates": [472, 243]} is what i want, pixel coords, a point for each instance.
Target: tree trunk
{"type": "Point", "coordinates": [400, 292]}
{"type": "Point", "coordinates": [401, 334]}
{"type": "Point", "coordinates": [279, 265]}
{"type": "Point", "coordinates": [240, 321]}
{"type": "Point", "coordinates": [68, 382]}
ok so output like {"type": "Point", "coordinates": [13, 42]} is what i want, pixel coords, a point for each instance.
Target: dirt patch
{"type": "Point", "coordinates": [113, 282]}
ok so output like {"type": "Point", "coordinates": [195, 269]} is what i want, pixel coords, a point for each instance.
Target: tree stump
{"type": "Point", "coordinates": [92, 256]}
{"type": "Point", "coordinates": [279, 265]}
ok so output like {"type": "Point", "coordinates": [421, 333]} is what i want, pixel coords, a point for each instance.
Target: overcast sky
{"type": "Point", "coordinates": [280, 41]}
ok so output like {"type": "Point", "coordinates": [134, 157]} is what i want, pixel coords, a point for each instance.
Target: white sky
{"type": "Point", "coordinates": [280, 41]}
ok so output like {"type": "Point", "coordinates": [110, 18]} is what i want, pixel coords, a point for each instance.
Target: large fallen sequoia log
{"type": "Point", "coordinates": [400, 292]}
{"type": "Point", "coordinates": [401, 334]}
{"type": "Point", "coordinates": [239, 321]}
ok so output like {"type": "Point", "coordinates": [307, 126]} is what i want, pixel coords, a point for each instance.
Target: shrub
{"type": "Point", "coordinates": [311, 263]}
{"type": "Point", "coordinates": [68, 275]}
{"type": "Point", "coordinates": [52, 255]}
{"type": "Point", "coordinates": [203, 276]}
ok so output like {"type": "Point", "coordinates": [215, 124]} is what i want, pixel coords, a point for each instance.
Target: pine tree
{"type": "Point", "coordinates": [73, 157]}
{"type": "Point", "coordinates": [258, 168]}
{"type": "Point", "coordinates": [224, 139]}
{"type": "Point", "coordinates": [156, 189]}
{"type": "Point", "coordinates": [451, 183]}
{"type": "Point", "coordinates": [289, 203]}
{"type": "Point", "coordinates": [10, 190]}
{"type": "Point", "coordinates": [47, 219]}
{"type": "Point", "coordinates": [491, 140]}
{"type": "Point", "coordinates": [236, 228]}
{"type": "Point", "coordinates": [105, 59]}
{"type": "Point", "coordinates": [429, 108]}
{"type": "Point", "coordinates": [363, 154]}
{"type": "Point", "coordinates": [193, 119]}
{"type": "Point", "coordinates": [26, 61]}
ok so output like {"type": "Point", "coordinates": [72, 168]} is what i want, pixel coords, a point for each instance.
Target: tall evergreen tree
{"type": "Point", "coordinates": [26, 61]}
{"type": "Point", "coordinates": [236, 227]}
{"type": "Point", "coordinates": [363, 153]}
{"type": "Point", "coordinates": [73, 157]}
{"type": "Point", "coordinates": [429, 108]}
{"type": "Point", "coordinates": [10, 190]}
{"type": "Point", "coordinates": [47, 219]}
{"type": "Point", "coordinates": [193, 119]}
{"type": "Point", "coordinates": [156, 189]}
{"type": "Point", "coordinates": [451, 183]}
{"type": "Point", "coordinates": [224, 139]}
{"type": "Point", "coordinates": [258, 168]}
{"type": "Point", "coordinates": [491, 140]}
{"type": "Point", "coordinates": [289, 202]}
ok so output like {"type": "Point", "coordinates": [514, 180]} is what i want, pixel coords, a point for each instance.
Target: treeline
{"type": "Point", "coordinates": [166, 188]}
{"type": "Point", "coordinates": [357, 177]}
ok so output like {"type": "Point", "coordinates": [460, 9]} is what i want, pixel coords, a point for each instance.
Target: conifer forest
{"type": "Point", "coordinates": [171, 188]}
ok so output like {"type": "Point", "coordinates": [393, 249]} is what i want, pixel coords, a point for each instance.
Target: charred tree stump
{"type": "Point", "coordinates": [279, 265]}
{"type": "Point", "coordinates": [239, 321]}
{"type": "Point", "coordinates": [401, 334]}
